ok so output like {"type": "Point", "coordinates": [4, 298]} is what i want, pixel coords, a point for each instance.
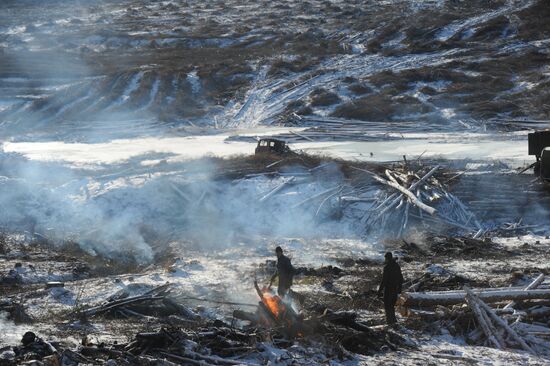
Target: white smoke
{"type": "Point", "coordinates": [11, 333]}
{"type": "Point", "coordinates": [124, 214]}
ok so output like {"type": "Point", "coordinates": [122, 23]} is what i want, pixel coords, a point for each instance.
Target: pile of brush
{"type": "Point", "coordinates": [506, 317]}
{"type": "Point", "coordinates": [416, 194]}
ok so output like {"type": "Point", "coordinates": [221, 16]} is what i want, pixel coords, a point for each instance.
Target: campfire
{"type": "Point", "coordinates": [273, 312]}
{"type": "Point", "coordinates": [274, 304]}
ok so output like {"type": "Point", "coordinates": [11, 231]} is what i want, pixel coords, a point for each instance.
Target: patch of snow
{"type": "Point", "coordinates": [194, 80]}
{"type": "Point", "coordinates": [450, 30]}
{"type": "Point", "coordinates": [448, 113]}
{"type": "Point", "coordinates": [6, 104]}
{"type": "Point", "coordinates": [16, 30]}
{"type": "Point", "coordinates": [11, 333]}
{"type": "Point", "coordinates": [132, 86]}
{"type": "Point", "coordinates": [509, 148]}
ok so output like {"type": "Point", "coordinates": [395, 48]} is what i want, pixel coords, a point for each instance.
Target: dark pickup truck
{"type": "Point", "coordinates": [539, 145]}
{"type": "Point", "coordinates": [272, 146]}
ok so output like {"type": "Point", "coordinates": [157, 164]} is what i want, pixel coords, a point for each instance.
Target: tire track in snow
{"type": "Point", "coordinates": [152, 94]}
{"type": "Point", "coordinates": [264, 102]}
{"type": "Point", "coordinates": [456, 27]}
{"type": "Point", "coordinates": [133, 85]}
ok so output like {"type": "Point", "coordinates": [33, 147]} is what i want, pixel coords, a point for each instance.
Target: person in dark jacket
{"type": "Point", "coordinates": [390, 287]}
{"type": "Point", "coordinates": [285, 272]}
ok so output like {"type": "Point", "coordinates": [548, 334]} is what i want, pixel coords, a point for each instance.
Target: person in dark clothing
{"type": "Point", "coordinates": [390, 287]}
{"type": "Point", "coordinates": [285, 272]}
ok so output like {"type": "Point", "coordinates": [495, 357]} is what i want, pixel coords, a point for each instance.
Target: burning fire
{"type": "Point", "coordinates": [279, 312]}
{"type": "Point", "coordinates": [273, 303]}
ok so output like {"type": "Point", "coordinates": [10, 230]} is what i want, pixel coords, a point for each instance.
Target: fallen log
{"type": "Point", "coordinates": [158, 293]}
{"type": "Point", "coordinates": [179, 309]}
{"type": "Point", "coordinates": [77, 357]}
{"type": "Point", "coordinates": [315, 196]}
{"type": "Point", "coordinates": [477, 290]}
{"type": "Point", "coordinates": [498, 320]}
{"type": "Point", "coordinates": [107, 307]}
{"type": "Point", "coordinates": [277, 189]}
{"type": "Point", "coordinates": [98, 351]}
{"type": "Point", "coordinates": [536, 282]}
{"type": "Point", "coordinates": [184, 297]}
{"type": "Point", "coordinates": [412, 198]}
{"type": "Point", "coordinates": [353, 199]}
{"type": "Point", "coordinates": [245, 315]}
{"type": "Point", "coordinates": [347, 319]}
{"type": "Point", "coordinates": [538, 312]}
{"type": "Point", "coordinates": [416, 299]}
{"type": "Point", "coordinates": [531, 328]}
{"type": "Point", "coordinates": [482, 320]}
{"type": "Point", "coordinates": [496, 332]}
{"type": "Point", "coordinates": [129, 313]}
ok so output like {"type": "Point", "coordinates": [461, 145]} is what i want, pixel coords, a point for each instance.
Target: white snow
{"type": "Point", "coordinates": [5, 104]}
{"type": "Point", "coordinates": [194, 80]}
{"type": "Point", "coordinates": [510, 148]}
{"type": "Point", "coordinates": [454, 28]}
{"type": "Point", "coordinates": [10, 332]}
{"type": "Point", "coordinates": [132, 86]}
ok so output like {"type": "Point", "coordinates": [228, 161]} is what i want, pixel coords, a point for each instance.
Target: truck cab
{"type": "Point", "coordinates": [271, 146]}
{"type": "Point", "coordinates": [539, 146]}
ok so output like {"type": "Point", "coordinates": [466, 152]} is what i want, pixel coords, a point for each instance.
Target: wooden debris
{"type": "Point", "coordinates": [498, 320]}
{"type": "Point", "coordinates": [415, 299]}
{"type": "Point", "coordinates": [277, 189]}
{"type": "Point", "coordinates": [483, 321]}
{"type": "Point", "coordinates": [413, 199]}
{"type": "Point", "coordinates": [158, 293]}
{"type": "Point", "coordinates": [536, 282]}
{"type": "Point", "coordinates": [417, 189]}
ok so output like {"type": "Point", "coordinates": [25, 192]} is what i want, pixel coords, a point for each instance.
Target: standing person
{"type": "Point", "coordinates": [390, 287]}
{"type": "Point", "coordinates": [285, 272]}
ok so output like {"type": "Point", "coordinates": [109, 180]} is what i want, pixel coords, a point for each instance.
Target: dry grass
{"type": "Point", "coordinates": [322, 97]}
{"type": "Point", "coordinates": [359, 89]}
{"type": "Point", "coordinates": [3, 243]}
{"type": "Point", "coordinates": [282, 66]}
{"type": "Point", "coordinates": [296, 43]}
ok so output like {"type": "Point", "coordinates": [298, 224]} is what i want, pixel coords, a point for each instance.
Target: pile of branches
{"type": "Point", "coordinates": [209, 345]}
{"type": "Point", "coordinates": [517, 317]}
{"type": "Point", "coordinates": [187, 339]}
{"type": "Point", "coordinates": [155, 302]}
{"type": "Point", "coordinates": [167, 346]}
{"type": "Point", "coordinates": [202, 341]}
{"type": "Point", "coordinates": [342, 332]}
{"type": "Point", "coordinates": [347, 333]}
{"type": "Point", "coordinates": [416, 194]}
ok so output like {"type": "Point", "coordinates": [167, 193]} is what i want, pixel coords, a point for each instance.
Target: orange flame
{"type": "Point", "coordinates": [274, 304]}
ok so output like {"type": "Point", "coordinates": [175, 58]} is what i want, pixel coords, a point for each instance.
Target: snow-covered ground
{"type": "Point", "coordinates": [507, 148]}
{"type": "Point", "coordinates": [106, 107]}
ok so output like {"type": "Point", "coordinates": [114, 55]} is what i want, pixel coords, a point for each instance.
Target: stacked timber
{"type": "Point", "coordinates": [412, 195]}
{"type": "Point", "coordinates": [514, 319]}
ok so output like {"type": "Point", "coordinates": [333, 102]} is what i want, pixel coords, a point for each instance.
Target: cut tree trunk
{"type": "Point", "coordinates": [482, 320]}
{"type": "Point", "coordinates": [416, 299]}
{"type": "Point", "coordinates": [536, 282]}
{"type": "Point", "coordinates": [501, 322]}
